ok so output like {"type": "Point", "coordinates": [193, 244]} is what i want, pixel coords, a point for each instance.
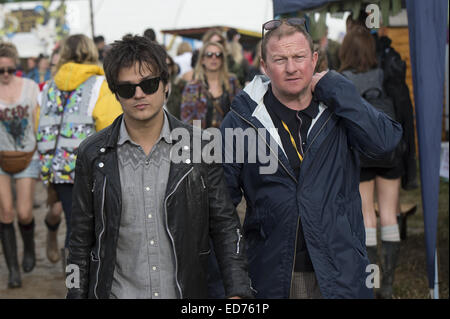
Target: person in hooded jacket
{"type": "Point", "coordinates": [303, 225]}
{"type": "Point", "coordinates": [74, 104]}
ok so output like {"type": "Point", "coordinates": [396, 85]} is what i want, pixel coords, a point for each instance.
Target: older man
{"type": "Point", "coordinates": [303, 226]}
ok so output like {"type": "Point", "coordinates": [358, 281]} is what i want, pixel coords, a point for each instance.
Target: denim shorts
{"type": "Point", "coordinates": [32, 171]}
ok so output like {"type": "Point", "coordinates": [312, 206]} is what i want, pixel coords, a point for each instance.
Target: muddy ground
{"type": "Point", "coordinates": [46, 280]}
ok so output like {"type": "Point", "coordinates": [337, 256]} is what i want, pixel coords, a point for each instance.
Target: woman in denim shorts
{"type": "Point", "coordinates": [18, 104]}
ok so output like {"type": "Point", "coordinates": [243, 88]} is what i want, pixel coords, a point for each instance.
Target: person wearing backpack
{"type": "Point", "coordinates": [74, 104]}
{"type": "Point", "coordinates": [359, 64]}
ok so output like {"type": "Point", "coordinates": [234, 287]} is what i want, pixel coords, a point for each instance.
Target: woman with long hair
{"type": "Point", "coordinates": [359, 64]}
{"type": "Point", "coordinates": [74, 104]}
{"type": "Point", "coordinates": [18, 104]}
{"type": "Point", "coordinates": [208, 97]}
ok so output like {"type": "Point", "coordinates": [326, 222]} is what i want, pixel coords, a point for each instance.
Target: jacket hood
{"type": "Point", "coordinates": [71, 75]}
{"type": "Point", "coordinates": [251, 98]}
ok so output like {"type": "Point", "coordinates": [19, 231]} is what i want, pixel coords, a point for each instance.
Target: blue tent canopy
{"type": "Point", "coordinates": [427, 22]}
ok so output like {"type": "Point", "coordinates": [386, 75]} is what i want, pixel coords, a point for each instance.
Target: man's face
{"type": "Point", "coordinates": [289, 65]}
{"type": "Point", "coordinates": [141, 107]}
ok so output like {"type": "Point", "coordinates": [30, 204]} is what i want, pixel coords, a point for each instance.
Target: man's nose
{"type": "Point", "coordinates": [290, 66]}
{"type": "Point", "coordinates": [139, 93]}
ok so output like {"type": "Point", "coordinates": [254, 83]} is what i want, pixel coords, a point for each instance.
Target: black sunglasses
{"type": "Point", "coordinates": [273, 24]}
{"type": "Point", "coordinates": [8, 70]}
{"type": "Point", "coordinates": [148, 86]}
{"type": "Point", "coordinates": [211, 54]}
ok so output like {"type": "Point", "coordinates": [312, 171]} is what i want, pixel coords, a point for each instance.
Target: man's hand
{"type": "Point", "coordinates": [316, 78]}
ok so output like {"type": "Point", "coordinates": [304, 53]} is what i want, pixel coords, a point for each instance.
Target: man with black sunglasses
{"type": "Point", "coordinates": [142, 222]}
{"type": "Point", "coordinates": [303, 224]}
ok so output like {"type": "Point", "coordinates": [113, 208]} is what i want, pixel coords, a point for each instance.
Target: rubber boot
{"type": "Point", "coordinates": [53, 254]}
{"type": "Point", "coordinates": [390, 251]}
{"type": "Point", "coordinates": [372, 253]}
{"type": "Point", "coordinates": [64, 256]}
{"type": "Point", "coordinates": [29, 255]}
{"type": "Point", "coordinates": [8, 238]}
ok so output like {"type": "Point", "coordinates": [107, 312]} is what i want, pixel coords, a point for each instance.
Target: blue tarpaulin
{"type": "Point", "coordinates": [289, 6]}
{"type": "Point", "coordinates": [427, 23]}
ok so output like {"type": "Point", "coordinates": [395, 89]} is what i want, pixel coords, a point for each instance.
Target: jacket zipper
{"type": "Point", "coordinates": [100, 237]}
{"type": "Point", "coordinates": [239, 236]}
{"type": "Point", "coordinates": [266, 144]}
{"type": "Point", "coordinates": [170, 235]}
{"type": "Point", "coordinates": [298, 219]}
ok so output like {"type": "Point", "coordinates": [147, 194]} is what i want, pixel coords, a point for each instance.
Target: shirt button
{"type": "Point", "coordinates": [147, 162]}
{"type": "Point", "coordinates": [147, 188]}
{"type": "Point", "coordinates": [101, 165]}
{"type": "Point", "coordinates": [102, 150]}
{"type": "Point", "coordinates": [152, 242]}
{"type": "Point", "coordinates": [150, 216]}
{"type": "Point", "coordinates": [186, 148]}
{"type": "Point", "coordinates": [156, 294]}
{"type": "Point", "coordinates": [188, 161]}
{"type": "Point", "coordinates": [154, 268]}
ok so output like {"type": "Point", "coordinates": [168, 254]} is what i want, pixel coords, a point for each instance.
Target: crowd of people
{"type": "Point", "coordinates": [93, 122]}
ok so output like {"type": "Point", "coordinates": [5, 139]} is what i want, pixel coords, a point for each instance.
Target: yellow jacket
{"type": "Point", "coordinates": [71, 75]}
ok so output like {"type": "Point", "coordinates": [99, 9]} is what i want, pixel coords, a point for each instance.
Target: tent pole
{"type": "Point", "coordinates": [436, 277]}
{"type": "Point", "coordinates": [92, 18]}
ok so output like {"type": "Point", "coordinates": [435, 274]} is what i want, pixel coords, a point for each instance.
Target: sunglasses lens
{"type": "Point", "coordinates": [126, 90]}
{"type": "Point", "coordinates": [150, 86]}
{"type": "Point", "coordinates": [270, 25]}
{"type": "Point", "coordinates": [297, 21]}
{"type": "Point", "coordinates": [8, 70]}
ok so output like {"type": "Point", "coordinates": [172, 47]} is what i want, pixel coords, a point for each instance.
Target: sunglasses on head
{"type": "Point", "coordinates": [273, 24]}
{"type": "Point", "coordinates": [148, 86]}
{"type": "Point", "coordinates": [8, 70]}
{"type": "Point", "coordinates": [211, 54]}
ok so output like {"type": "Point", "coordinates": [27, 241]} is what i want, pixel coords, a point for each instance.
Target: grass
{"type": "Point", "coordinates": [411, 275]}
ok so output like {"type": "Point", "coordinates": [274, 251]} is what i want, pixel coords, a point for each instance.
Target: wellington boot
{"type": "Point", "coordinates": [53, 254]}
{"type": "Point", "coordinates": [8, 239]}
{"type": "Point", "coordinates": [390, 251]}
{"type": "Point", "coordinates": [29, 254]}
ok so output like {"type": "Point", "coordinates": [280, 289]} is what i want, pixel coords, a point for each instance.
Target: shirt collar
{"type": "Point", "coordinates": [165, 133]}
{"type": "Point", "coordinates": [286, 114]}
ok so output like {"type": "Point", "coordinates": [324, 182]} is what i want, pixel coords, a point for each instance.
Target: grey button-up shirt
{"type": "Point", "coordinates": [145, 262]}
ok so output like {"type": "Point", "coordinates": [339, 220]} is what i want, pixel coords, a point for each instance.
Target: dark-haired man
{"type": "Point", "coordinates": [141, 222]}
{"type": "Point", "coordinates": [303, 224]}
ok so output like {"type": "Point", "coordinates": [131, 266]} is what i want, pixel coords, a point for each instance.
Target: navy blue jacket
{"type": "Point", "coordinates": [325, 196]}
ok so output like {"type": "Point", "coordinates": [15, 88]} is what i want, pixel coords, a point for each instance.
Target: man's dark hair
{"type": "Point", "coordinates": [285, 30]}
{"type": "Point", "coordinates": [131, 49]}
{"type": "Point", "coordinates": [99, 39]}
{"type": "Point", "coordinates": [150, 33]}
{"type": "Point", "coordinates": [230, 34]}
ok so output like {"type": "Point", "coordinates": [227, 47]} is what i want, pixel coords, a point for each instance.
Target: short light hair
{"type": "Point", "coordinates": [282, 31]}
{"type": "Point", "coordinates": [78, 48]}
{"type": "Point", "coordinates": [183, 48]}
{"type": "Point", "coordinates": [9, 50]}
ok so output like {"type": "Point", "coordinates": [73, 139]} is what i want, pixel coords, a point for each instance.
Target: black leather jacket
{"type": "Point", "coordinates": [197, 205]}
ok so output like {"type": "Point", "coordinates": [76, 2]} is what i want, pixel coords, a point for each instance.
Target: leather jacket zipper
{"type": "Point", "coordinates": [100, 236]}
{"type": "Point", "coordinates": [239, 236]}
{"type": "Point", "coordinates": [170, 235]}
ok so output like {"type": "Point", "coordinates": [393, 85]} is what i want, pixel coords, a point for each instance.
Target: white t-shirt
{"type": "Point", "coordinates": [16, 120]}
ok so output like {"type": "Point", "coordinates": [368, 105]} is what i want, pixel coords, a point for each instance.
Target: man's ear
{"type": "Point", "coordinates": [315, 57]}
{"type": "Point", "coordinates": [167, 90]}
{"type": "Point", "coordinates": [263, 64]}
